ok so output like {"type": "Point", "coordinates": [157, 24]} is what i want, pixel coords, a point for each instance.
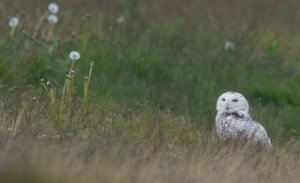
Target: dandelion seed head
{"type": "Point", "coordinates": [55, 136]}
{"type": "Point", "coordinates": [85, 77]}
{"type": "Point", "coordinates": [13, 22]}
{"type": "Point", "coordinates": [121, 19]}
{"type": "Point", "coordinates": [73, 34]}
{"type": "Point", "coordinates": [10, 129]}
{"type": "Point", "coordinates": [50, 83]}
{"type": "Point", "coordinates": [52, 19]}
{"type": "Point", "coordinates": [42, 136]}
{"type": "Point", "coordinates": [88, 15]}
{"type": "Point", "coordinates": [53, 8]}
{"type": "Point", "coordinates": [229, 46]}
{"type": "Point", "coordinates": [42, 80]}
{"type": "Point", "coordinates": [74, 55]}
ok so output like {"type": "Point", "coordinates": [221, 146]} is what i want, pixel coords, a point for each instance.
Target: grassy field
{"type": "Point", "coordinates": [140, 103]}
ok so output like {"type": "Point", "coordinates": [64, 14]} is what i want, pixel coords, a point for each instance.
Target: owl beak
{"type": "Point", "coordinates": [227, 108]}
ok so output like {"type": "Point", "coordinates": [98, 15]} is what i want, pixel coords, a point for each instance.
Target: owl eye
{"type": "Point", "coordinates": [223, 99]}
{"type": "Point", "coordinates": [235, 100]}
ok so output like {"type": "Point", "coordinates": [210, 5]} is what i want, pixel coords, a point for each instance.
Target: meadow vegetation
{"type": "Point", "coordinates": [140, 103]}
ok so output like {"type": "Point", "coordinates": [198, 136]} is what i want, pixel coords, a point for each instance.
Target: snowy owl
{"type": "Point", "coordinates": [233, 120]}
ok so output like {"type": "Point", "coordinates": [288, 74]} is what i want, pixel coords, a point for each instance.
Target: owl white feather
{"type": "Point", "coordinates": [233, 120]}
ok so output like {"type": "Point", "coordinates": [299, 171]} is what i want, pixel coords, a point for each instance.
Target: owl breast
{"type": "Point", "coordinates": [232, 126]}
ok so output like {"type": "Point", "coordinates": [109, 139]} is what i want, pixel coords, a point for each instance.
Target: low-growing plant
{"type": "Point", "coordinates": [63, 107]}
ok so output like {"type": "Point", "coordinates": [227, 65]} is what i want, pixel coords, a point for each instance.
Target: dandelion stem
{"type": "Point", "coordinates": [39, 24]}
{"type": "Point", "coordinates": [86, 89]}
{"type": "Point", "coordinates": [12, 32]}
{"type": "Point", "coordinates": [50, 33]}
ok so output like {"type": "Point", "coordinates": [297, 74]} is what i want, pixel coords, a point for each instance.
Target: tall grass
{"type": "Point", "coordinates": [62, 107]}
{"type": "Point", "coordinates": [55, 160]}
{"type": "Point", "coordinates": [123, 146]}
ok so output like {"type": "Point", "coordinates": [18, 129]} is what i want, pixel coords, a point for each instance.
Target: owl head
{"type": "Point", "coordinates": [232, 103]}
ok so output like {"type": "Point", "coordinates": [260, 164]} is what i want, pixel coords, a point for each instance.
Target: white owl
{"type": "Point", "coordinates": [233, 120]}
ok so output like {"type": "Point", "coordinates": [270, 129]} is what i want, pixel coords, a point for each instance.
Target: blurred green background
{"type": "Point", "coordinates": [165, 55]}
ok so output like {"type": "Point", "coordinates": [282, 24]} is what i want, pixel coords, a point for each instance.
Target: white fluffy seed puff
{"type": "Point", "coordinates": [52, 19]}
{"type": "Point", "coordinates": [13, 22]}
{"type": "Point", "coordinates": [53, 8]}
{"type": "Point", "coordinates": [74, 55]}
